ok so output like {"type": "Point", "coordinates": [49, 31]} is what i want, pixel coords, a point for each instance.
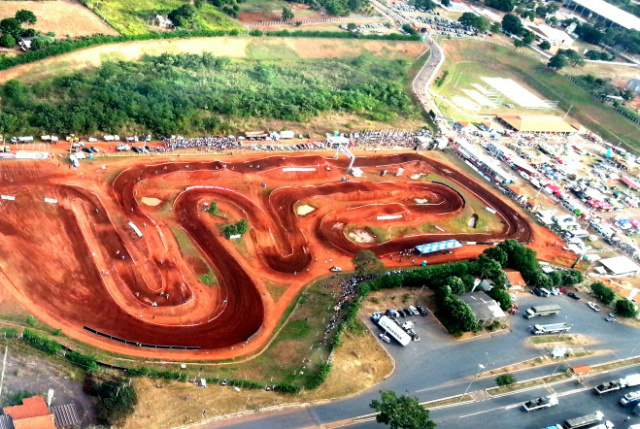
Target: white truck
{"type": "Point", "coordinates": [74, 160]}
{"type": "Point", "coordinates": [111, 138]}
{"type": "Point", "coordinates": [123, 148]}
{"type": "Point", "coordinates": [23, 139]}
{"type": "Point", "coordinates": [630, 380]}
{"type": "Point", "coordinates": [542, 310]}
{"type": "Point", "coordinates": [540, 403]}
{"type": "Point", "coordinates": [394, 331]}
{"type": "Point", "coordinates": [630, 398]}
{"type": "Point", "coordinates": [553, 328]}
{"type": "Point", "coordinates": [584, 421]}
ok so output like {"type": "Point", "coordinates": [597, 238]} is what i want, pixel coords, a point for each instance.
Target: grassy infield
{"type": "Point", "coordinates": [468, 61]}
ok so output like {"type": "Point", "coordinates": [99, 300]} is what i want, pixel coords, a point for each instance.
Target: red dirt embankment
{"type": "Point", "coordinates": [78, 264]}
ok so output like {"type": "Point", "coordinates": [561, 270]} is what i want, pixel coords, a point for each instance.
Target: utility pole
{"type": "Point", "coordinates": [4, 365]}
{"type": "Point", "coordinates": [567, 114]}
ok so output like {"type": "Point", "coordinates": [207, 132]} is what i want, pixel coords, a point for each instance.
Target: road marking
{"type": "Point", "coordinates": [482, 412]}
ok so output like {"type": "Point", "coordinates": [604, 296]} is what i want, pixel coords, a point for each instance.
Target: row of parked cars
{"type": "Point", "coordinates": [409, 311]}
{"type": "Point", "coordinates": [301, 146]}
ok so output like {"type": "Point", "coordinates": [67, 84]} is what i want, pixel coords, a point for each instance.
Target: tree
{"type": "Point", "coordinates": [573, 277]}
{"type": "Point", "coordinates": [469, 19]}
{"type": "Point", "coordinates": [425, 4]}
{"type": "Point", "coordinates": [505, 380]}
{"type": "Point", "coordinates": [496, 27]}
{"type": "Point", "coordinates": [512, 24]}
{"type": "Point", "coordinates": [10, 26]}
{"type": "Point", "coordinates": [25, 17]}
{"type": "Point", "coordinates": [446, 3]}
{"type": "Point", "coordinates": [213, 208]}
{"type": "Point", "coordinates": [545, 45]}
{"type": "Point", "coordinates": [366, 262]}
{"type": "Point", "coordinates": [557, 62]}
{"type": "Point", "coordinates": [573, 57]}
{"type": "Point", "coordinates": [604, 294]}
{"type": "Point", "coordinates": [626, 308]}
{"type": "Point", "coordinates": [407, 28]}
{"type": "Point", "coordinates": [287, 14]}
{"type": "Point", "coordinates": [351, 26]}
{"type": "Point", "coordinates": [198, 3]}
{"type": "Point", "coordinates": [116, 400]}
{"type": "Point", "coordinates": [183, 16]}
{"type": "Point", "coordinates": [502, 297]}
{"type": "Point", "coordinates": [456, 285]}
{"type": "Point", "coordinates": [504, 5]}
{"type": "Point", "coordinates": [7, 41]}
{"type": "Point", "coordinates": [401, 412]}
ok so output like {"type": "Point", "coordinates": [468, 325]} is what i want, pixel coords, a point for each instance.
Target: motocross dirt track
{"type": "Point", "coordinates": [79, 265]}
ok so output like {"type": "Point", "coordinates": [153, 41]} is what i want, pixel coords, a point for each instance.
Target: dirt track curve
{"type": "Point", "coordinates": [81, 266]}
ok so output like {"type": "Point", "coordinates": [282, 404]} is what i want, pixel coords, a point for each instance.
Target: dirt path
{"type": "Point", "coordinates": [138, 296]}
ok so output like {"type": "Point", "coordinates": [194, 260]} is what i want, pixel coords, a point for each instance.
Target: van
{"type": "Point", "coordinates": [544, 292]}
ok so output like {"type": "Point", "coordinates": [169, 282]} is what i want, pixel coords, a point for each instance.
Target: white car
{"type": "Point", "coordinates": [593, 306]}
{"type": "Point", "coordinates": [385, 338]}
{"type": "Point", "coordinates": [335, 269]}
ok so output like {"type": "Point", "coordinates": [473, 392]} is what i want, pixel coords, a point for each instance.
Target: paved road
{"type": "Point", "coordinates": [438, 366]}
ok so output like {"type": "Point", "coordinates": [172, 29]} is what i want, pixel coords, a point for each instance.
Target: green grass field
{"type": "Point", "coordinates": [137, 16]}
{"type": "Point", "coordinates": [467, 61]}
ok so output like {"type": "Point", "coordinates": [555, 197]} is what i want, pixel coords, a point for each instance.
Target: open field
{"type": "Point", "coordinates": [232, 47]}
{"type": "Point", "coordinates": [468, 61]}
{"type": "Point", "coordinates": [271, 10]}
{"type": "Point", "coordinates": [63, 17]}
{"type": "Point", "coordinates": [161, 301]}
{"type": "Point", "coordinates": [359, 363]}
{"type": "Point", "coordinates": [137, 16]}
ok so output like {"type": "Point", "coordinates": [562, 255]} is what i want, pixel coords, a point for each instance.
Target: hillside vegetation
{"type": "Point", "coordinates": [138, 16]}
{"type": "Point", "coordinates": [195, 94]}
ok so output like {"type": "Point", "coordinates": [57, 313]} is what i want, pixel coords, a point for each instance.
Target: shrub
{"type": "Point", "coordinates": [40, 342]}
{"type": "Point", "coordinates": [604, 294]}
{"type": "Point", "coordinates": [505, 380]}
{"type": "Point", "coordinates": [116, 400]}
{"type": "Point", "coordinates": [31, 321]}
{"type": "Point", "coordinates": [9, 332]}
{"type": "Point", "coordinates": [625, 308]}
{"type": "Point", "coordinates": [88, 363]}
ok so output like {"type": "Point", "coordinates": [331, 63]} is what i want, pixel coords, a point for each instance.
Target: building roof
{"type": "Point", "coordinates": [620, 265]}
{"type": "Point", "coordinates": [515, 278]}
{"type": "Point", "coordinates": [31, 407]}
{"type": "Point", "coordinates": [580, 369]}
{"type": "Point", "coordinates": [39, 422]}
{"type": "Point", "coordinates": [66, 415]}
{"type": "Point", "coordinates": [611, 12]}
{"type": "Point", "coordinates": [538, 124]}
{"type": "Point", "coordinates": [483, 306]}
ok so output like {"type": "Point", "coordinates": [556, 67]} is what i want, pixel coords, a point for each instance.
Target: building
{"type": "Point", "coordinates": [163, 22]}
{"type": "Point", "coordinates": [552, 35]}
{"type": "Point", "coordinates": [620, 266]}
{"type": "Point", "coordinates": [34, 413]}
{"type": "Point", "coordinates": [600, 10]}
{"type": "Point", "coordinates": [515, 279]}
{"type": "Point", "coordinates": [634, 85]}
{"type": "Point", "coordinates": [485, 308]}
{"type": "Point", "coordinates": [544, 124]}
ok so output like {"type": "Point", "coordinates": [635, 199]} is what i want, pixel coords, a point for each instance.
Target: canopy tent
{"type": "Point", "coordinates": [424, 249]}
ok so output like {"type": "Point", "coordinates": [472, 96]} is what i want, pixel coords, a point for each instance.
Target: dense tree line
{"type": "Point", "coordinates": [627, 40]}
{"type": "Point", "coordinates": [173, 94]}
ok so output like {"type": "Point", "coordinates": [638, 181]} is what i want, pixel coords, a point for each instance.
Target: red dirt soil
{"type": "Point", "coordinates": [78, 264]}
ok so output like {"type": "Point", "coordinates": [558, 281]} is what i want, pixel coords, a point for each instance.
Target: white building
{"type": "Point", "coordinates": [634, 85]}
{"type": "Point", "coordinates": [552, 35]}
{"type": "Point", "coordinates": [603, 11]}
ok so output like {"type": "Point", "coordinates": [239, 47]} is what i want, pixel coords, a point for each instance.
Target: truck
{"type": "Point", "coordinates": [553, 328]}
{"type": "Point", "coordinates": [393, 330]}
{"type": "Point", "coordinates": [540, 403]}
{"type": "Point", "coordinates": [630, 380]}
{"type": "Point", "coordinates": [630, 398]}
{"type": "Point", "coordinates": [542, 310]}
{"type": "Point", "coordinates": [74, 160]}
{"type": "Point", "coordinates": [583, 421]}
{"type": "Point", "coordinates": [23, 139]}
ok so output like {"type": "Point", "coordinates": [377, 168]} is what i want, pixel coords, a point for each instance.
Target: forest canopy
{"type": "Point", "coordinates": [171, 94]}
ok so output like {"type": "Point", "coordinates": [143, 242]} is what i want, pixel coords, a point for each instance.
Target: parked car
{"type": "Point", "coordinates": [408, 311]}
{"type": "Point", "coordinates": [402, 313]}
{"type": "Point", "coordinates": [573, 295]}
{"type": "Point", "coordinates": [392, 313]}
{"type": "Point", "coordinates": [414, 310]}
{"type": "Point", "coordinates": [593, 306]}
{"type": "Point", "coordinates": [423, 311]}
{"type": "Point", "coordinates": [335, 269]}
{"type": "Point", "coordinates": [610, 317]}
{"type": "Point", "coordinates": [385, 338]}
